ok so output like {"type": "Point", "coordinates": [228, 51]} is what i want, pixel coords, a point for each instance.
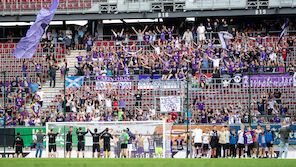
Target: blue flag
{"type": "Point", "coordinates": [74, 82]}
{"type": "Point", "coordinates": [284, 30]}
{"type": "Point", "coordinates": [27, 45]}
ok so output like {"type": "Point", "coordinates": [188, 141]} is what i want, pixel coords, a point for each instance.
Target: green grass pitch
{"type": "Point", "coordinates": [146, 163]}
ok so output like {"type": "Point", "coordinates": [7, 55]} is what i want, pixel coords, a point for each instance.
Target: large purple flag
{"type": "Point", "coordinates": [27, 45]}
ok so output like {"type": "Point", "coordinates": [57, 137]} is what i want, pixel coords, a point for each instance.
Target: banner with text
{"type": "Point", "coordinates": [281, 80]}
{"type": "Point", "coordinates": [168, 103]}
{"type": "Point", "coordinates": [147, 82]}
{"type": "Point", "coordinates": [109, 82]}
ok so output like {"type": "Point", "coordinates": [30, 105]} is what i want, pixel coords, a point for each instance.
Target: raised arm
{"type": "Point", "coordinates": [86, 132]}
{"type": "Point", "coordinates": [147, 106]}
{"type": "Point", "coordinates": [131, 93]}
{"type": "Point", "coordinates": [168, 54]}
{"type": "Point", "coordinates": [145, 29]}
{"type": "Point", "coordinates": [133, 28]}
{"type": "Point", "coordinates": [145, 92]}
{"type": "Point", "coordinates": [121, 33]}
{"type": "Point", "coordinates": [158, 29]}
{"type": "Point", "coordinates": [114, 33]}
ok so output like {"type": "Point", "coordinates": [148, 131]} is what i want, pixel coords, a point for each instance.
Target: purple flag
{"type": "Point", "coordinates": [27, 45]}
{"type": "Point", "coordinates": [284, 30]}
{"type": "Point", "coordinates": [224, 38]}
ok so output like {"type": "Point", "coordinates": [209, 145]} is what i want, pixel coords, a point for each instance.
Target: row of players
{"type": "Point", "coordinates": [127, 144]}
{"type": "Point", "coordinates": [224, 143]}
{"type": "Point", "coordinates": [209, 144]}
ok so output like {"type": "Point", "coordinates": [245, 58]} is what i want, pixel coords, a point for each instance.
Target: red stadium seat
{"type": "Point", "coordinates": [7, 6]}
{"type": "Point", "coordinates": [33, 6]}
{"type": "Point", "coordinates": [70, 5]}
{"type": "Point", "coordinates": [88, 5]}
{"type": "Point", "coordinates": [26, 6]}
{"type": "Point", "coordinates": [75, 5]}
{"type": "Point", "coordinates": [38, 6]}
{"type": "Point", "coordinates": [45, 6]}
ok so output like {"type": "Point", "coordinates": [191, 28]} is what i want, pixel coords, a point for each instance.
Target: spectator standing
{"type": "Point", "coordinates": [187, 37]}
{"type": "Point", "coordinates": [140, 35]}
{"type": "Point", "coordinates": [209, 30]}
{"type": "Point", "coordinates": [284, 139]}
{"type": "Point", "coordinates": [39, 143]}
{"type": "Point", "coordinates": [52, 75]}
{"type": "Point", "coordinates": [40, 93]}
{"type": "Point", "coordinates": [201, 32]}
{"type": "Point", "coordinates": [33, 87]}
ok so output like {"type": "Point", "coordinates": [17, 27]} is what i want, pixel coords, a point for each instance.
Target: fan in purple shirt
{"type": "Point", "coordinates": [248, 136]}
{"type": "Point", "coordinates": [32, 121]}
{"type": "Point", "coordinates": [146, 37]}
{"type": "Point", "coordinates": [19, 101]}
{"type": "Point", "coordinates": [79, 59]}
{"type": "Point", "coordinates": [8, 119]}
{"type": "Point", "coordinates": [277, 119]}
{"type": "Point", "coordinates": [162, 35]}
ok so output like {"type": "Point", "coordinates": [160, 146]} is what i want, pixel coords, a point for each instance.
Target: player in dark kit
{"type": "Point", "coordinates": [96, 141]}
{"type": "Point", "coordinates": [19, 144]}
{"type": "Point", "coordinates": [52, 146]}
{"type": "Point", "coordinates": [106, 136]}
{"type": "Point", "coordinates": [81, 141]}
{"type": "Point", "coordinates": [69, 142]}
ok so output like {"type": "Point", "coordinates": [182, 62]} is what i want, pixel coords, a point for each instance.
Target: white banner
{"type": "Point", "coordinates": [168, 103]}
{"type": "Point", "coordinates": [109, 83]}
{"type": "Point", "coordinates": [101, 85]}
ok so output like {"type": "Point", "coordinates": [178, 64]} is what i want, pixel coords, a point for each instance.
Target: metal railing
{"type": "Point", "coordinates": [233, 93]}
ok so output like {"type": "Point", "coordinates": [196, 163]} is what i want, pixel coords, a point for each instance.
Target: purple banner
{"type": "Point", "coordinates": [281, 80]}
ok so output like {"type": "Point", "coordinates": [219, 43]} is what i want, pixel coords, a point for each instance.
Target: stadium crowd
{"type": "Point", "coordinates": [158, 50]}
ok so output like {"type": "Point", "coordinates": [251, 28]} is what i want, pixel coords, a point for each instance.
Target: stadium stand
{"type": "Point", "coordinates": [168, 72]}
{"type": "Point", "coordinates": [217, 96]}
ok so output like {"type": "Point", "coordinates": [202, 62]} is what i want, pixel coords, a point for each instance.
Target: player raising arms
{"type": "Point", "coordinates": [52, 146]}
{"type": "Point", "coordinates": [19, 144]}
{"type": "Point", "coordinates": [96, 141]}
{"type": "Point", "coordinates": [132, 137]}
{"type": "Point", "coordinates": [141, 146]}
{"type": "Point", "coordinates": [69, 142]}
{"type": "Point", "coordinates": [106, 136]}
{"type": "Point", "coordinates": [123, 143]}
{"type": "Point", "coordinates": [249, 142]}
{"type": "Point", "coordinates": [151, 145]}
{"type": "Point", "coordinates": [81, 141]}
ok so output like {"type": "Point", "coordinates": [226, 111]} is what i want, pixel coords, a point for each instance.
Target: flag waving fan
{"type": "Point", "coordinates": [284, 30]}
{"type": "Point", "coordinates": [27, 45]}
{"type": "Point", "coordinates": [224, 38]}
